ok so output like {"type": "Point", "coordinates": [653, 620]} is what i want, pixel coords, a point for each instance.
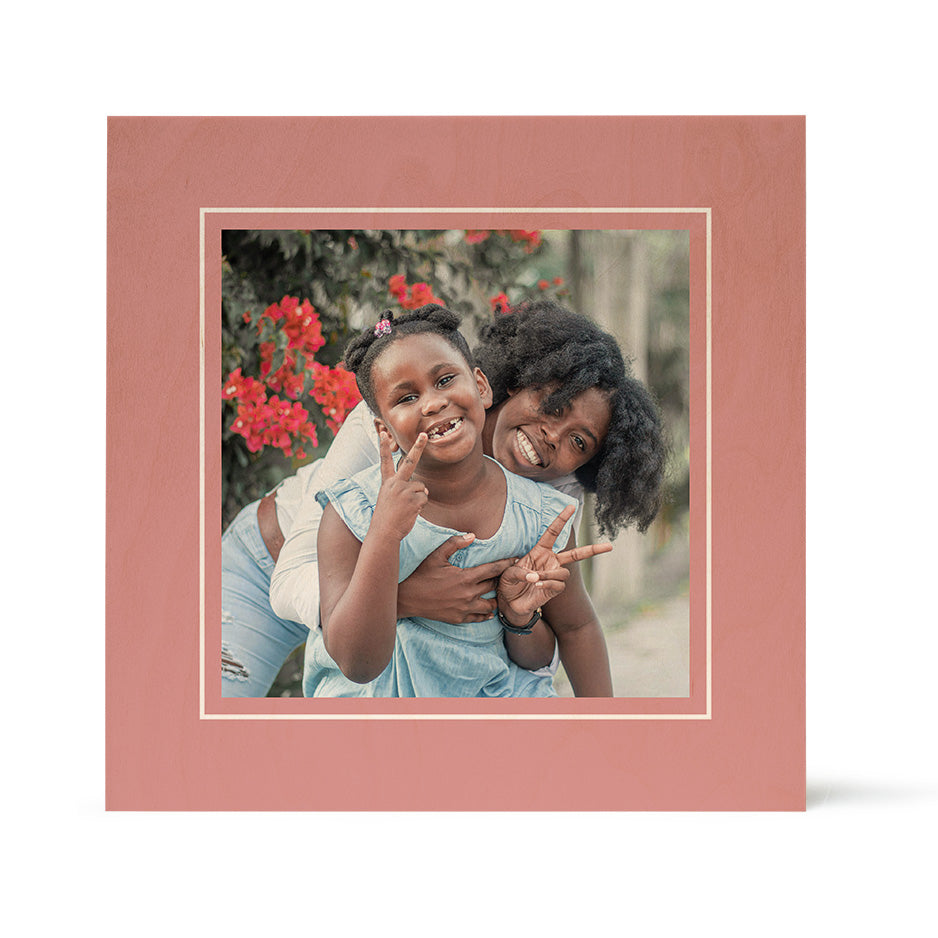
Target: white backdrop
{"type": "Point", "coordinates": [852, 864]}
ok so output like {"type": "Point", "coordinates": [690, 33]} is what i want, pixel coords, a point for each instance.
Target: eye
{"type": "Point", "coordinates": [579, 443]}
{"type": "Point", "coordinates": [407, 399]}
{"type": "Point", "coordinates": [445, 380]}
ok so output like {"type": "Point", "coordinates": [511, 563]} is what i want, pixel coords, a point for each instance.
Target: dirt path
{"type": "Point", "coordinates": [648, 651]}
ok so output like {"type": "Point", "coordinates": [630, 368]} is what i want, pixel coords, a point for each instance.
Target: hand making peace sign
{"type": "Point", "coordinates": [400, 497]}
{"type": "Point", "coordinates": [541, 574]}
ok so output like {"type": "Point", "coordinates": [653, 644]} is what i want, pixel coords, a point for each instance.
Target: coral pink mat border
{"type": "Point", "coordinates": [736, 184]}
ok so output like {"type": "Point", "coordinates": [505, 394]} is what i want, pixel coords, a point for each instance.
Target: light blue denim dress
{"type": "Point", "coordinates": [432, 658]}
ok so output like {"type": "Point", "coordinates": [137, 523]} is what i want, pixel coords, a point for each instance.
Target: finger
{"type": "Point", "coordinates": [405, 468]}
{"type": "Point", "coordinates": [490, 571]}
{"type": "Point", "coordinates": [384, 449]}
{"type": "Point", "coordinates": [452, 544]}
{"type": "Point", "coordinates": [514, 576]}
{"type": "Point", "coordinates": [583, 552]}
{"type": "Point", "coordinates": [558, 575]}
{"type": "Point", "coordinates": [555, 527]}
{"type": "Point", "coordinates": [482, 607]}
{"type": "Point", "coordinates": [485, 586]}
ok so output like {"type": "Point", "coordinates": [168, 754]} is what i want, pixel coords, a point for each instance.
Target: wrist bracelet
{"type": "Point", "coordinates": [514, 629]}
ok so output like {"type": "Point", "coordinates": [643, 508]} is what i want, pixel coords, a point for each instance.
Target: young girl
{"type": "Point", "coordinates": [418, 375]}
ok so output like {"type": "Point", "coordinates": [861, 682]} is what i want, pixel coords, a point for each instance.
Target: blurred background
{"type": "Point", "coordinates": [291, 299]}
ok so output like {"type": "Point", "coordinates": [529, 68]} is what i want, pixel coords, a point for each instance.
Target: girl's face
{"type": "Point", "coordinates": [543, 446]}
{"type": "Point", "coordinates": [422, 384]}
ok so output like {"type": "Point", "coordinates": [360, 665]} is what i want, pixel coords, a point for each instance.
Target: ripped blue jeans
{"type": "Point", "coordinates": [255, 643]}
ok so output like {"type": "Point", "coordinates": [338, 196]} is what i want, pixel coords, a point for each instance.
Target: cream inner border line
{"type": "Point", "coordinates": [605, 210]}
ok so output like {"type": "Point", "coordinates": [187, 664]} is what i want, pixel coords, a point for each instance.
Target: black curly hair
{"type": "Point", "coordinates": [541, 344]}
{"type": "Point", "coordinates": [361, 352]}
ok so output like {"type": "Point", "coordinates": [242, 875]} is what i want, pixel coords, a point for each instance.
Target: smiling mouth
{"type": "Point", "coordinates": [527, 450]}
{"type": "Point", "coordinates": [443, 430]}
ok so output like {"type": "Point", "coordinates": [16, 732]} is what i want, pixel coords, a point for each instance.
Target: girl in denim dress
{"type": "Point", "coordinates": [417, 374]}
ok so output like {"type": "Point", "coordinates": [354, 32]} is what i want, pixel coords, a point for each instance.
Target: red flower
{"type": "Point", "coordinates": [477, 235]}
{"type": "Point", "coordinates": [247, 317]}
{"type": "Point", "coordinates": [301, 325]}
{"type": "Point", "coordinates": [397, 286]}
{"type": "Point", "coordinates": [542, 284]}
{"type": "Point", "coordinates": [500, 303]}
{"type": "Point", "coordinates": [242, 389]}
{"type": "Point", "coordinates": [267, 354]}
{"type": "Point", "coordinates": [272, 312]}
{"type": "Point", "coordinates": [286, 380]}
{"type": "Point", "coordinates": [284, 422]}
{"type": "Point", "coordinates": [336, 392]}
{"type": "Point", "coordinates": [420, 293]}
{"type": "Point", "coordinates": [558, 281]}
{"type": "Point", "coordinates": [251, 423]}
{"type": "Point", "coordinates": [234, 385]}
{"type": "Point", "coordinates": [531, 238]}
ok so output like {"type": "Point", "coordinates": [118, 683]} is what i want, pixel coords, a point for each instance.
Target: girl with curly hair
{"type": "Point", "coordinates": [543, 361]}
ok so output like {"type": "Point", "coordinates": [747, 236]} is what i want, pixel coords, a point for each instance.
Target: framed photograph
{"type": "Point", "coordinates": [684, 238]}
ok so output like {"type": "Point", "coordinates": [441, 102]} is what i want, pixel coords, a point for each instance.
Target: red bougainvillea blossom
{"type": "Point", "coordinates": [299, 322]}
{"type": "Point", "coordinates": [419, 293]}
{"type": "Point", "coordinates": [397, 287]}
{"type": "Point", "coordinates": [546, 284]}
{"type": "Point", "coordinates": [266, 350]}
{"type": "Point", "coordinates": [336, 392]}
{"type": "Point", "coordinates": [274, 423]}
{"type": "Point", "coordinates": [248, 389]}
{"type": "Point", "coordinates": [500, 303]}
{"type": "Point", "coordinates": [283, 422]}
{"type": "Point", "coordinates": [531, 239]}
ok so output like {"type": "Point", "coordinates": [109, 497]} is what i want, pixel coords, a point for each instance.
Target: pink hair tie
{"type": "Point", "coordinates": [383, 327]}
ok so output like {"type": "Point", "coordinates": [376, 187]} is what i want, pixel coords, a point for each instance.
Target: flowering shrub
{"type": "Point", "coordinates": [292, 334]}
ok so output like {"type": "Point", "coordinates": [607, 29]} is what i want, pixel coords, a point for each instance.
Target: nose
{"type": "Point", "coordinates": [551, 431]}
{"type": "Point", "coordinates": [433, 402]}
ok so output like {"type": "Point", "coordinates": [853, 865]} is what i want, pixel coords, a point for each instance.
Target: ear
{"type": "Point", "coordinates": [381, 427]}
{"type": "Point", "coordinates": [485, 389]}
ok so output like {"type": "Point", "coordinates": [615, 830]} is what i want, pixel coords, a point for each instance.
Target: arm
{"type": "Point", "coordinates": [532, 651]}
{"type": "Point", "coordinates": [294, 586]}
{"type": "Point", "coordinates": [552, 581]}
{"type": "Point", "coordinates": [358, 580]}
{"type": "Point", "coordinates": [359, 595]}
{"type": "Point", "coordinates": [580, 638]}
